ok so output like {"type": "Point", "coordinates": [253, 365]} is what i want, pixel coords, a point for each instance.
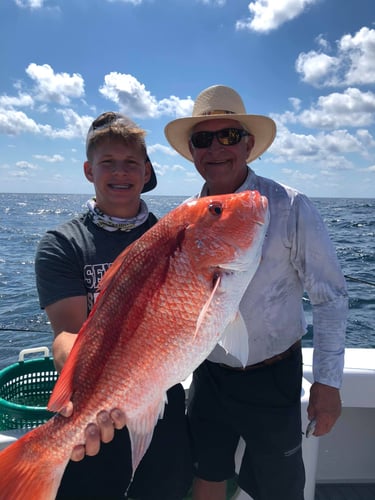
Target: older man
{"type": "Point", "coordinates": [261, 401]}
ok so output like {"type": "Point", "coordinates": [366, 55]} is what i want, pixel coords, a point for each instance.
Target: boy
{"type": "Point", "coordinates": [70, 262]}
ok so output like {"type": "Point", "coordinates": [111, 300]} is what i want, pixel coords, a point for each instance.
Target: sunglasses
{"type": "Point", "coordinates": [226, 137]}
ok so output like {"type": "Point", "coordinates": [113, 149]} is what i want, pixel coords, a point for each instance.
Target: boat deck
{"type": "Point", "coordinates": [334, 491]}
{"type": "Point", "coordinates": [345, 491]}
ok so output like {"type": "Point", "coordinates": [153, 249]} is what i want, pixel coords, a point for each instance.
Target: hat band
{"type": "Point", "coordinates": [218, 112]}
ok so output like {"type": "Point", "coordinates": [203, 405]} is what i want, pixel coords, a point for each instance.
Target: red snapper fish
{"type": "Point", "coordinates": [164, 304]}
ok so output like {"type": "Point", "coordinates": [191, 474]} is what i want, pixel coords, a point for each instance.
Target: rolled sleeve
{"type": "Point", "coordinates": [320, 271]}
{"type": "Point", "coordinates": [57, 270]}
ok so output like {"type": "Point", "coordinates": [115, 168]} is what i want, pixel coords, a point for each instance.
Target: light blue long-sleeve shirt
{"type": "Point", "coordinates": [298, 256]}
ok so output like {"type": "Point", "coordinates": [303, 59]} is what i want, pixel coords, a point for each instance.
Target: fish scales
{"type": "Point", "coordinates": [164, 304]}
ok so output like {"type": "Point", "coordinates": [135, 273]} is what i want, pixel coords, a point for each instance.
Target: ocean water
{"type": "Point", "coordinates": [24, 218]}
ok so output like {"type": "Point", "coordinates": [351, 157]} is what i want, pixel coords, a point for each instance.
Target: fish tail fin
{"type": "Point", "coordinates": [25, 474]}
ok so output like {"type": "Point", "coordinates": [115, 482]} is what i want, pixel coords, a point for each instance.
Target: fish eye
{"type": "Point", "coordinates": [215, 208]}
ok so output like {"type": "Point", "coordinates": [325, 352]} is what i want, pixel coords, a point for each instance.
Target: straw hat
{"type": "Point", "coordinates": [217, 102]}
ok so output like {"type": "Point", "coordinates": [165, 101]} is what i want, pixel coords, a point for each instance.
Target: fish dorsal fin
{"type": "Point", "coordinates": [204, 310]}
{"type": "Point", "coordinates": [141, 429]}
{"type": "Point", "coordinates": [235, 339]}
{"type": "Point", "coordinates": [62, 392]}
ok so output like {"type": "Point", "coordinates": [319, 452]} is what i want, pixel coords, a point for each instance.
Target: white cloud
{"type": "Point", "coordinates": [366, 139]}
{"type": "Point", "coordinates": [178, 168]}
{"type": "Point", "coordinates": [322, 42]}
{"type": "Point", "coordinates": [134, 2]}
{"type": "Point", "coordinates": [338, 121]}
{"type": "Point", "coordinates": [125, 90]}
{"type": "Point", "coordinates": [295, 102]}
{"type": "Point", "coordinates": [267, 15]}
{"type": "Point", "coordinates": [339, 141]}
{"type": "Point", "coordinates": [360, 49]}
{"type": "Point", "coordinates": [31, 4]}
{"type": "Point", "coordinates": [22, 100]}
{"type": "Point", "coordinates": [14, 122]}
{"type": "Point", "coordinates": [133, 99]}
{"type": "Point", "coordinates": [325, 149]}
{"type": "Point", "coordinates": [75, 125]}
{"type": "Point", "coordinates": [353, 64]}
{"type": "Point", "coordinates": [219, 3]}
{"type": "Point", "coordinates": [298, 175]}
{"type": "Point", "coordinates": [50, 159]}
{"type": "Point", "coordinates": [160, 148]}
{"type": "Point", "coordinates": [290, 146]}
{"type": "Point", "coordinates": [174, 106]}
{"type": "Point", "coordinates": [130, 95]}
{"type": "Point", "coordinates": [351, 108]}
{"type": "Point", "coordinates": [21, 175]}
{"type": "Point", "coordinates": [192, 175]}
{"type": "Point", "coordinates": [37, 5]}
{"type": "Point", "coordinates": [164, 170]}
{"type": "Point", "coordinates": [55, 87]}
{"type": "Point", "coordinates": [25, 165]}
{"type": "Point", "coordinates": [315, 66]}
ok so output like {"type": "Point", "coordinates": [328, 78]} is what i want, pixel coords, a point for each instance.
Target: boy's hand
{"type": "Point", "coordinates": [102, 431]}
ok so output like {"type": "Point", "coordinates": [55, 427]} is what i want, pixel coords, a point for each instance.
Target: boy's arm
{"type": "Point", "coordinates": [66, 317]}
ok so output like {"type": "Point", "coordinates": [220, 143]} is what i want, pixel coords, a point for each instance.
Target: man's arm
{"type": "Point", "coordinates": [324, 406]}
{"type": "Point", "coordinates": [316, 261]}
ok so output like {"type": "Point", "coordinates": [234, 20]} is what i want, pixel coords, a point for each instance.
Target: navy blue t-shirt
{"type": "Point", "coordinates": [71, 259]}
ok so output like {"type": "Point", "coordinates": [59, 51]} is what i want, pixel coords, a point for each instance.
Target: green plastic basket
{"type": "Point", "coordinates": [25, 388]}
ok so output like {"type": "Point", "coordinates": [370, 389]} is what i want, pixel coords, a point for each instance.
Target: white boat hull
{"type": "Point", "coordinates": [347, 453]}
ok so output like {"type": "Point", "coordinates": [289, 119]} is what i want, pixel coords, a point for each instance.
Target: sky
{"type": "Point", "coordinates": [308, 64]}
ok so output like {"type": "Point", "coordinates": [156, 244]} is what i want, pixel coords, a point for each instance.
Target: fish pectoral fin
{"type": "Point", "coordinates": [204, 310]}
{"type": "Point", "coordinates": [235, 339]}
{"type": "Point", "coordinates": [141, 429]}
{"type": "Point", "coordinates": [165, 399]}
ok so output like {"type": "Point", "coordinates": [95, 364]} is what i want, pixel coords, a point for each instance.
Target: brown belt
{"type": "Point", "coordinates": [266, 362]}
